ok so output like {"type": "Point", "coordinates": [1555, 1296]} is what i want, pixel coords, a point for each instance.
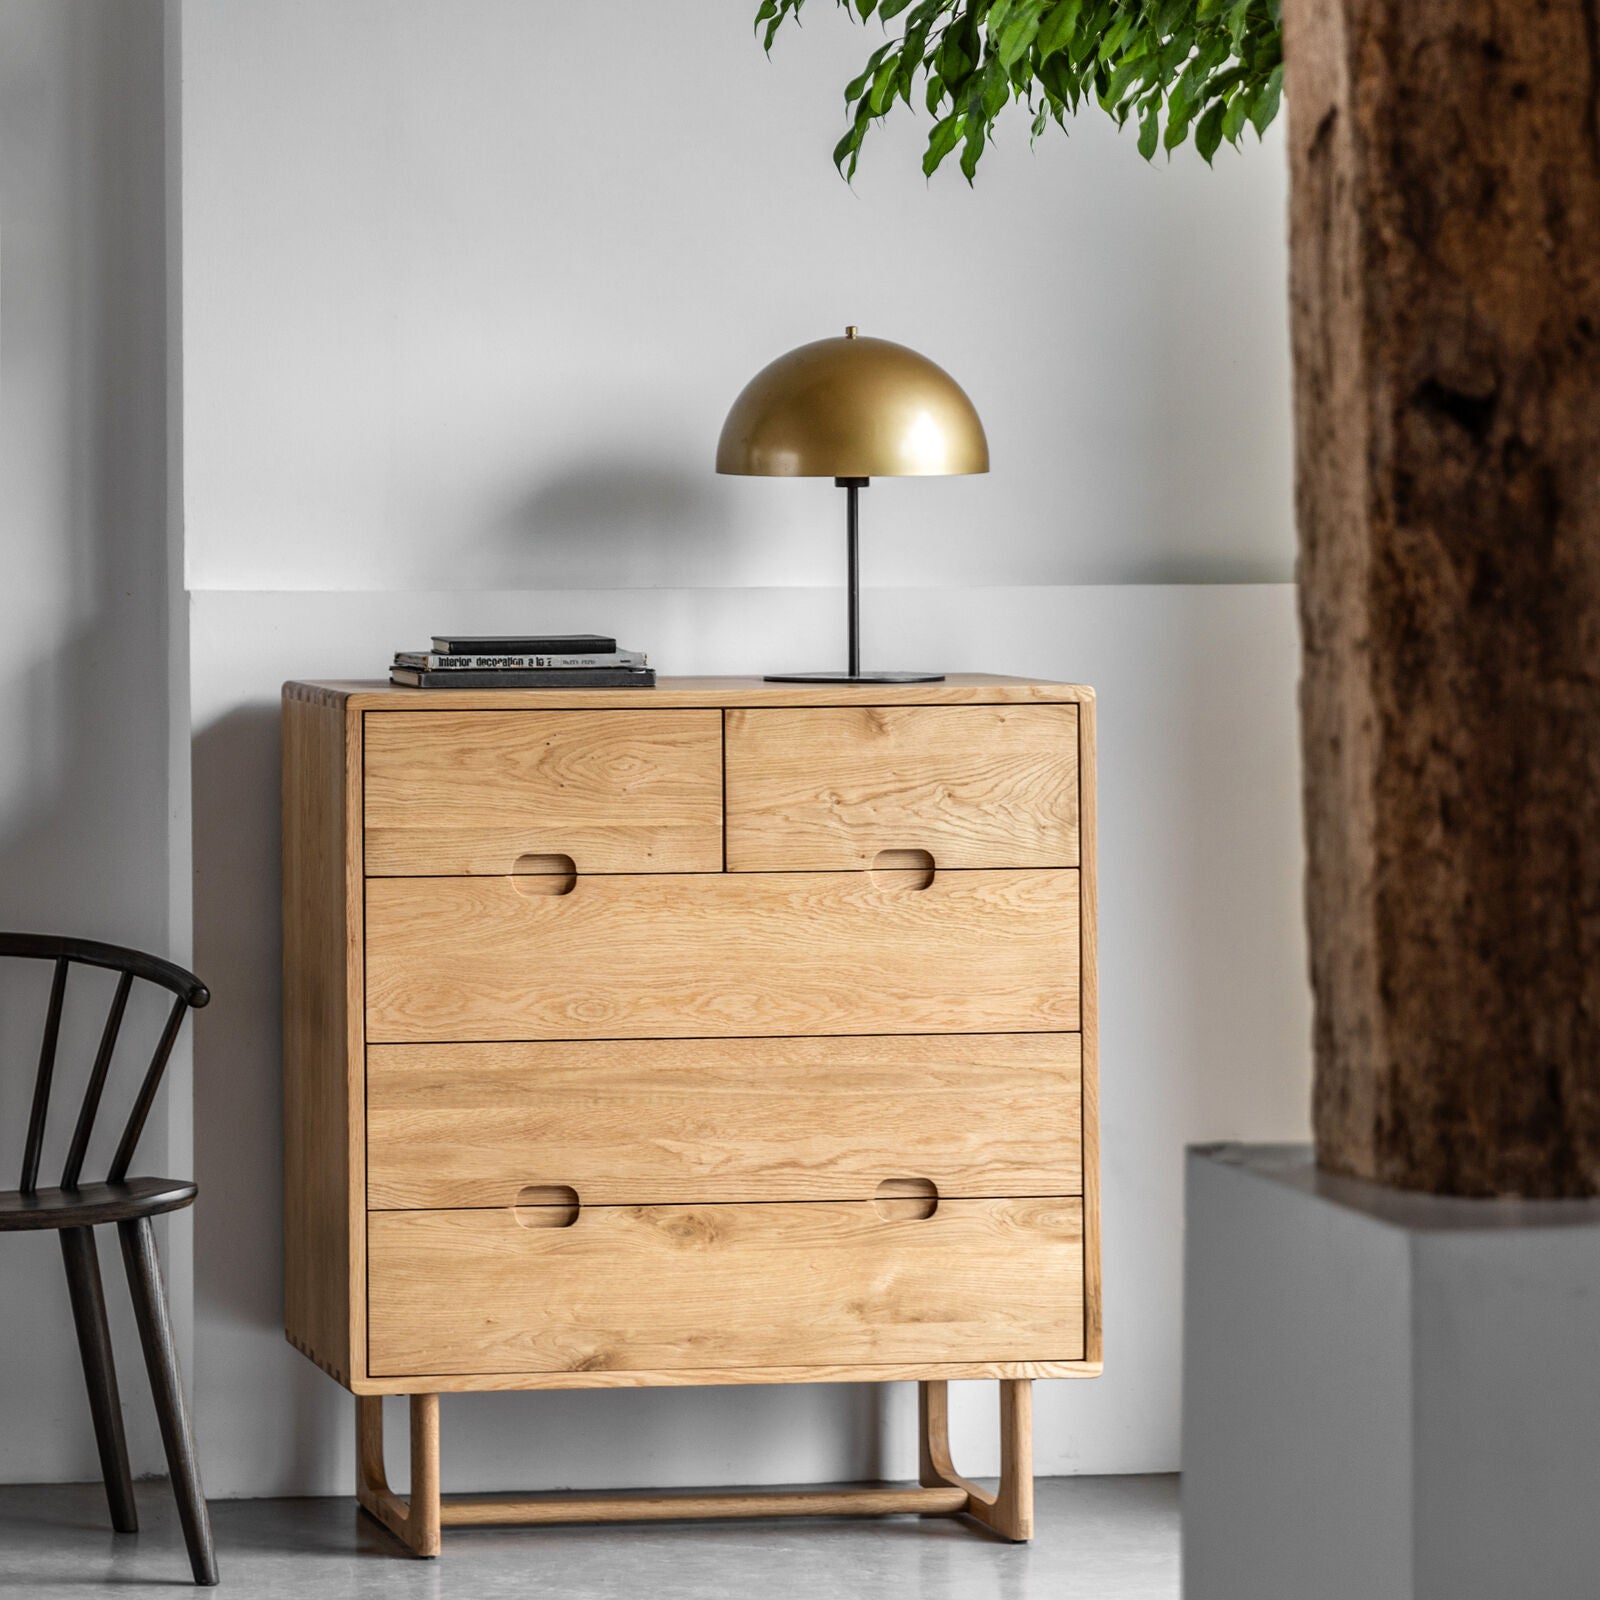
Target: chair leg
{"type": "Point", "coordinates": [99, 1372]}
{"type": "Point", "coordinates": [161, 1359]}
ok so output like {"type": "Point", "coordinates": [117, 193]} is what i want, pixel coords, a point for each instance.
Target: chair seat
{"type": "Point", "coordinates": [91, 1203]}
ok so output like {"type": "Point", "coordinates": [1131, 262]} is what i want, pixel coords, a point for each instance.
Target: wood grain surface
{"type": "Point", "coordinates": [654, 1121]}
{"type": "Point", "coordinates": [691, 955]}
{"type": "Point", "coordinates": [974, 786]}
{"type": "Point", "coordinates": [617, 791]}
{"type": "Point", "coordinates": [1089, 1004]}
{"type": "Point", "coordinates": [713, 1376]}
{"type": "Point", "coordinates": [789, 1043]}
{"type": "Point", "coordinates": [487, 1511]}
{"type": "Point", "coordinates": [725, 1285]}
{"type": "Point", "coordinates": [323, 1204]}
{"type": "Point", "coordinates": [1445, 325]}
{"type": "Point", "coordinates": [1008, 1508]}
{"type": "Point", "coordinates": [413, 1520]}
{"type": "Point", "coordinates": [959, 688]}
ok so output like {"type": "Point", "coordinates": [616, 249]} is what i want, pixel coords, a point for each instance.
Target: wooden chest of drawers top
{"type": "Point", "coordinates": [721, 944]}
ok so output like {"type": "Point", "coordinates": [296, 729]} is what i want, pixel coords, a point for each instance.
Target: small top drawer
{"type": "Point", "coordinates": [831, 787]}
{"type": "Point", "coordinates": [501, 792]}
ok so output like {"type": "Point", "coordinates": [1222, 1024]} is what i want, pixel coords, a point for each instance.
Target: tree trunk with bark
{"type": "Point", "coordinates": [1445, 232]}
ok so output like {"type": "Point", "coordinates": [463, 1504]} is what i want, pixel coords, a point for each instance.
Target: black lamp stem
{"type": "Point", "coordinates": [852, 488]}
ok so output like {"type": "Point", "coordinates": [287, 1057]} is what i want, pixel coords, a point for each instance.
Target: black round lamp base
{"type": "Point", "coordinates": [854, 677]}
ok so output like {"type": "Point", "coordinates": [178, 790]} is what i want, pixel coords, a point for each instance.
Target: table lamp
{"type": "Point", "coordinates": [852, 409]}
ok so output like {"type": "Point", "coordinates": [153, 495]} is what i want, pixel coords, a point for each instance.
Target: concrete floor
{"type": "Point", "coordinates": [1109, 1538]}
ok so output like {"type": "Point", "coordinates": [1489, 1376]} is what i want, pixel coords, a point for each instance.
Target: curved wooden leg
{"type": "Point", "coordinates": [1009, 1510]}
{"type": "Point", "coordinates": [414, 1521]}
{"type": "Point", "coordinates": [99, 1372]}
{"type": "Point", "coordinates": [161, 1360]}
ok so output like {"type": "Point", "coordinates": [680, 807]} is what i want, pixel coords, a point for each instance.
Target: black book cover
{"type": "Point", "coordinates": [528, 678]}
{"type": "Point", "coordinates": [532, 644]}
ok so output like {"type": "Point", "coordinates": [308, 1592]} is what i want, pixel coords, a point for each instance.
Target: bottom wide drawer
{"type": "Point", "coordinates": [673, 1288]}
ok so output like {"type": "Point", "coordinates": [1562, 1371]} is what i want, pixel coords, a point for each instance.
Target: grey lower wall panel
{"type": "Point", "coordinates": [1506, 1399]}
{"type": "Point", "coordinates": [1386, 1395]}
{"type": "Point", "coordinates": [1296, 1368]}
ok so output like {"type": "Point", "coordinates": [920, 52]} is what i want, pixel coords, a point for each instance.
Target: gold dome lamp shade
{"type": "Point", "coordinates": [852, 409]}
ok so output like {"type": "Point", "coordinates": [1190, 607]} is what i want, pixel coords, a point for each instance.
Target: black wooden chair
{"type": "Point", "coordinates": [75, 1208]}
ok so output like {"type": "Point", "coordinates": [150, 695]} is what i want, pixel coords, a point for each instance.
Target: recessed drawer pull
{"type": "Point", "coordinates": [906, 1199]}
{"type": "Point", "coordinates": [545, 874]}
{"type": "Point", "coordinates": [912, 869]}
{"type": "Point", "coordinates": [546, 1205]}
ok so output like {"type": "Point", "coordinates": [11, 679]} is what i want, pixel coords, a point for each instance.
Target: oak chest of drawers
{"type": "Point", "coordinates": [723, 1032]}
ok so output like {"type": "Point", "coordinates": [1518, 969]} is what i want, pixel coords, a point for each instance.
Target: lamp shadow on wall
{"type": "Point", "coordinates": [615, 522]}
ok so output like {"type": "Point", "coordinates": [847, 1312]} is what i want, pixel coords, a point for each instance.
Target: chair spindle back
{"type": "Point", "coordinates": [189, 993]}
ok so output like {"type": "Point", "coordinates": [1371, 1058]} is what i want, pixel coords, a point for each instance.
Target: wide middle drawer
{"type": "Point", "coordinates": [651, 1121]}
{"type": "Point", "coordinates": [718, 954]}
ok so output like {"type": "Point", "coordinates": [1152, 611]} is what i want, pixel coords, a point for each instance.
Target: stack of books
{"type": "Point", "coordinates": [538, 661]}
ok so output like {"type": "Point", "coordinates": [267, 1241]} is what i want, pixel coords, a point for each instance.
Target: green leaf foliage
{"type": "Point", "coordinates": [1214, 67]}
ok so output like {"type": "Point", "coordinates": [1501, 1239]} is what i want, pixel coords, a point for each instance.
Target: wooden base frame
{"type": "Point", "coordinates": [416, 1520]}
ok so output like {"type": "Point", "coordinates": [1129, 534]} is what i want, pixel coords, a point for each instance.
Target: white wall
{"type": "Point", "coordinates": [470, 285]}
{"type": "Point", "coordinates": [83, 669]}
{"type": "Point", "coordinates": [465, 288]}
